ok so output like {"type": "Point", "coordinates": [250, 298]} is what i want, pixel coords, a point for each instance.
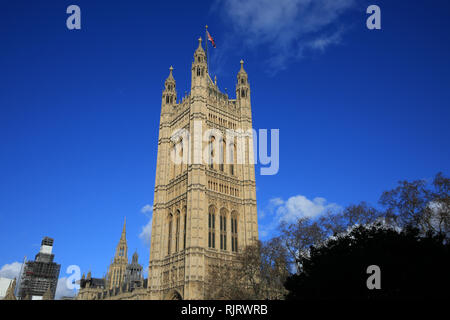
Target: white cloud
{"type": "Point", "coordinates": [276, 202]}
{"type": "Point", "coordinates": [300, 206]}
{"type": "Point", "coordinates": [146, 231]}
{"type": "Point", "coordinates": [147, 208]}
{"type": "Point", "coordinates": [288, 27]}
{"type": "Point", "coordinates": [11, 270]}
{"type": "Point", "coordinates": [62, 290]}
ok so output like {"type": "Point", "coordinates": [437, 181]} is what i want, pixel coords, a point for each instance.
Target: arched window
{"type": "Point", "coordinates": [211, 227]}
{"type": "Point", "coordinates": [198, 71]}
{"type": "Point", "coordinates": [232, 153]}
{"type": "Point", "coordinates": [242, 93]}
{"type": "Point", "coordinates": [185, 227]}
{"type": "Point", "coordinates": [181, 156]}
{"type": "Point", "coordinates": [177, 231]}
{"type": "Point", "coordinates": [222, 152]}
{"type": "Point", "coordinates": [211, 152]}
{"type": "Point", "coordinates": [174, 171]}
{"type": "Point", "coordinates": [223, 229]}
{"type": "Point", "coordinates": [234, 232]}
{"type": "Point", "coordinates": [169, 242]}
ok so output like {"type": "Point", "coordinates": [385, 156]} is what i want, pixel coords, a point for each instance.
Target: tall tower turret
{"type": "Point", "coordinates": [243, 88]}
{"type": "Point", "coordinates": [169, 96]}
{"type": "Point", "coordinates": [199, 69]}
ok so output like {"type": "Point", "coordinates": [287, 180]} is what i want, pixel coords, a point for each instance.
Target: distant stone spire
{"type": "Point", "coordinates": [10, 292]}
{"type": "Point", "coordinates": [124, 230]}
{"type": "Point", "coordinates": [135, 257]}
{"type": "Point", "coordinates": [48, 294]}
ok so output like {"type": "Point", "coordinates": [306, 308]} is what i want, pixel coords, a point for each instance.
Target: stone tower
{"type": "Point", "coordinates": [204, 205]}
{"type": "Point", "coordinates": [117, 269]}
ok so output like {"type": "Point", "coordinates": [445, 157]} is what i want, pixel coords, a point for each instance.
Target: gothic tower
{"type": "Point", "coordinates": [117, 269]}
{"type": "Point", "coordinates": [205, 202]}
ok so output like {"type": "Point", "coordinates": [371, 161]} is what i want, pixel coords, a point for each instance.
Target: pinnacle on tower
{"type": "Point", "coordinates": [135, 257]}
{"type": "Point", "coordinates": [170, 77]}
{"type": "Point", "coordinates": [124, 230]}
{"type": "Point", "coordinates": [200, 52]}
{"type": "Point", "coordinates": [242, 70]}
{"type": "Point", "coordinates": [169, 94]}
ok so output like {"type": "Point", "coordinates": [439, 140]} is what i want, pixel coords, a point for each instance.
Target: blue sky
{"type": "Point", "coordinates": [357, 109]}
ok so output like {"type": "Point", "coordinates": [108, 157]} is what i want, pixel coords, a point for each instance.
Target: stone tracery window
{"type": "Point", "coordinates": [234, 232]}
{"type": "Point", "coordinates": [169, 242]}
{"type": "Point", "coordinates": [185, 228]}
{"type": "Point", "coordinates": [222, 152]}
{"type": "Point", "coordinates": [232, 155]}
{"type": "Point", "coordinates": [223, 229]}
{"type": "Point", "coordinates": [177, 231]}
{"type": "Point", "coordinates": [211, 152]}
{"type": "Point", "coordinates": [211, 227]}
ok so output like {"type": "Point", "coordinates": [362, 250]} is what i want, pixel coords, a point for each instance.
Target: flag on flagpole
{"type": "Point", "coordinates": [211, 39]}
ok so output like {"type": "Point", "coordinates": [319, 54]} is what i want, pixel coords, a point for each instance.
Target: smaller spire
{"type": "Point", "coordinates": [242, 71]}
{"type": "Point", "coordinates": [124, 230]}
{"type": "Point", "coordinates": [48, 294]}
{"type": "Point", "coordinates": [199, 50]}
{"type": "Point", "coordinates": [10, 291]}
{"type": "Point", "coordinates": [135, 257]}
{"type": "Point", "coordinates": [170, 78]}
{"type": "Point", "coordinates": [242, 66]}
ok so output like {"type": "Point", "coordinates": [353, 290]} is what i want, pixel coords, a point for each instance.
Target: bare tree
{"type": "Point", "coordinates": [257, 272]}
{"type": "Point", "coordinates": [420, 205]}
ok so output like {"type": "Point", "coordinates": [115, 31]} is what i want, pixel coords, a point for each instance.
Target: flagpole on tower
{"type": "Point", "coordinates": [206, 44]}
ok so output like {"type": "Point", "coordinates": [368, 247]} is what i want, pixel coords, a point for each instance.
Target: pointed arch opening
{"type": "Point", "coordinates": [234, 231]}
{"type": "Point", "coordinates": [223, 229]}
{"type": "Point", "coordinates": [169, 240]}
{"type": "Point", "coordinates": [177, 230]}
{"type": "Point", "coordinates": [211, 226]}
